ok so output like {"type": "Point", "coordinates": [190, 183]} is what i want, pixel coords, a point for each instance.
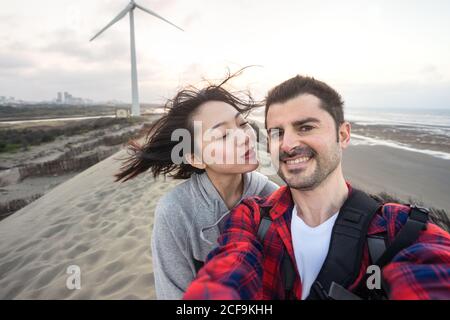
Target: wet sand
{"type": "Point", "coordinates": [404, 174]}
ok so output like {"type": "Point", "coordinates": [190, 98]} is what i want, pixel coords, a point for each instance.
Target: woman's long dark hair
{"type": "Point", "coordinates": [155, 153]}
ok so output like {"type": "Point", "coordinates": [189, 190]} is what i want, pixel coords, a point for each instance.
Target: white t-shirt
{"type": "Point", "coordinates": [310, 248]}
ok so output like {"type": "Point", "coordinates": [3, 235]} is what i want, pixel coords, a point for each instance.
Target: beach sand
{"type": "Point", "coordinates": [104, 227]}
{"type": "Point", "coordinates": [404, 174]}
{"type": "Point", "coordinates": [89, 221]}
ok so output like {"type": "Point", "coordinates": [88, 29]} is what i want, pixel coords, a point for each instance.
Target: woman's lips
{"type": "Point", "coordinates": [250, 154]}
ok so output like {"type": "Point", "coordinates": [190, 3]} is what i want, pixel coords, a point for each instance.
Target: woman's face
{"type": "Point", "coordinates": [227, 141]}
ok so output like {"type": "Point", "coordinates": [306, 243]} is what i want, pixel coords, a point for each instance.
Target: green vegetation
{"type": "Point", "coordinates": [9, 147]}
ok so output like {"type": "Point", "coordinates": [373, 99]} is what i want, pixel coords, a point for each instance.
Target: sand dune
{"type": "Point", "coordinates": [89, 221]}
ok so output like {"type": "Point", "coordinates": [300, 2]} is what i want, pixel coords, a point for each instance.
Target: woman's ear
{"type": "Point", "coordinates": [194, 161]}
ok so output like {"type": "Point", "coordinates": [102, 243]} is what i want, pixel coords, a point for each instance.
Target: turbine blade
{"type": "Point", "coordinates": [156, 15]}
{"type": "Point", "coordinates": [113, 21]}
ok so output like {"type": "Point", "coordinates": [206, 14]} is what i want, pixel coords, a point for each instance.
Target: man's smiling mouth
{"type": "Point", "coordinates": [298, 160]}
{"type": "Point", "coordinates": [297, 157]}
{"type": "Point", "coordinates": [297, 163]}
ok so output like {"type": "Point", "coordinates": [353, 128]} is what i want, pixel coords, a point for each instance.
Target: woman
{"type": "Point", "coordinates": [189, 218]}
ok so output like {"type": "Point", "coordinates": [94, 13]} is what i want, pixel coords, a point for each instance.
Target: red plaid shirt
{"type": "Point", "coordinates": [243, 268]}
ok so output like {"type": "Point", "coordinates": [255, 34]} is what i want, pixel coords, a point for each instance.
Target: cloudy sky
{"type": "Point", "coordinates": [376, 53]}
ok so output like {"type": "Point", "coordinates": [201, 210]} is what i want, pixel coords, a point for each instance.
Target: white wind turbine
{"type": "Point", "coordinates": [135, 108]}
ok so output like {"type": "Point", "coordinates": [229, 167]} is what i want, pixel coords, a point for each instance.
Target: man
{"type": "Point", "coordinates": [307, 135]}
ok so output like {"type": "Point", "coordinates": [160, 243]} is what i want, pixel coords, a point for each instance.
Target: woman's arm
{"type": "Point", "coordinates": [170, 252]}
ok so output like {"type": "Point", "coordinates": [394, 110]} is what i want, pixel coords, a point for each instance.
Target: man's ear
{"type": "Point", "coordinates": [194, 161]}
{"type": "Point", "coordinates": [344, 134]}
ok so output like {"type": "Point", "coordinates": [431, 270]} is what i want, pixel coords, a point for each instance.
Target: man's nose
{"type": "Point", "coordinates": [289, 141]}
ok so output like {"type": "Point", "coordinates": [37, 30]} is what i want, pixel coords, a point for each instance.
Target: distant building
{"type": "Point", "coordinates": [122, 113]}
{"type": "Point", "coordinates": [59, 98]}
{"type": "Point", "coordinates": [8, 100]}
{"type": "Point", "coordinates": [67, 98]}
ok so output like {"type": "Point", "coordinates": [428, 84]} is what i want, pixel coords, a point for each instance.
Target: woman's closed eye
{"type": "Point", "coordinates": [275, 133]}
{"type": "Point", "coordinates": [242, 125]}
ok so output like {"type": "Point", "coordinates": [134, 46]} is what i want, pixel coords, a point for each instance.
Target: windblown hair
{"type": "Point", "coordinates": [155, 153]}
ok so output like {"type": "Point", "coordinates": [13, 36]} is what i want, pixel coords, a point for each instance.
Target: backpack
{"type": "Point", "coordinates": [342, 264]}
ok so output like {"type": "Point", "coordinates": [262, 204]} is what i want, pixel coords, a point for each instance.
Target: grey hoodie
{"type": "Point", "coordinates": [188, 220]}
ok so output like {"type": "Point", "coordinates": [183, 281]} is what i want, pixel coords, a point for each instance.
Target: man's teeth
{"type": "Point", "coordinates": [298, 160]}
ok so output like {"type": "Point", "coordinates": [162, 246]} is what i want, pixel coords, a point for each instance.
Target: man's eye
{"type": "Point", "coordinates": [244, 124]}
{"type": "Point", "coordinates": [306, 128]}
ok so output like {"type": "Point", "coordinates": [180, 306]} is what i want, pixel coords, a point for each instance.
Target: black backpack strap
{"type": "Point", "coordinates": [381, 253]}
{"type": "Point", "coordinates": [287, 267]}
{"type": "Point", "coordinates": [416, 222]}
{"type": "Point", "coordinates": [264, 223]}
{"type": "Point", "coordinates": [377, 246]}
{"type": "Point", "coordinates": [288, 272]}
{"type": "Point", "coordinates": [343, 261]}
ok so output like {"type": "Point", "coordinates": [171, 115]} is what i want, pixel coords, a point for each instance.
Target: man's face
{"type": "Point", "coordinates": [302, 139]}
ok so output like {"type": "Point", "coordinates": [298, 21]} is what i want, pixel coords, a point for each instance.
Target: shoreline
{"type": "Point", "coordinates": [404, 136]}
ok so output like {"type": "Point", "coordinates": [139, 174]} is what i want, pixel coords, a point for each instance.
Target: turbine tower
{"type": "Point", "coordinates": [135, 108]}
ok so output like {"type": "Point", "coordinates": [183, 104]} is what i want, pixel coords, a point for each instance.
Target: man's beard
{"type": "Point", "coordinates": [324, 166]}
